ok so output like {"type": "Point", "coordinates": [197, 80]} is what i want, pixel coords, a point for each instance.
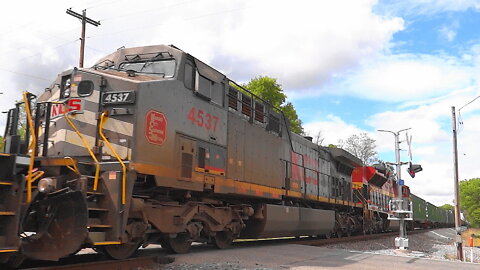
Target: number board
{"type": "Point", "coordinates": [114, 98]}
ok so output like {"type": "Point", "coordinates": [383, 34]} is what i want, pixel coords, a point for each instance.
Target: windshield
{"type": "Point", "coordinates": [164, 68]}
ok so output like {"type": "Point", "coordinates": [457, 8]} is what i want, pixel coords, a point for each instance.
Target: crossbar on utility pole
{"type": "Point", "coordinates": [83, 17]}
{"type": "Point", "coordinates": [458, 239]}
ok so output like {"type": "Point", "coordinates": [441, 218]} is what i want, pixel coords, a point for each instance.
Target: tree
{"type": "Point", "coordinates": [447, 206]}
{"type": "Point", "coordinates": [291, 114]}
{"type": "Point", "coordinates": [2, 143]}
{"type": "Point", "coordinates": [271, 91]}
{"type": "Point", "coordinates": [361, 146]}
{"type": "Point", "coordinates": [318, 139]}
{"type": "Point", "coordinates": [470, 200]}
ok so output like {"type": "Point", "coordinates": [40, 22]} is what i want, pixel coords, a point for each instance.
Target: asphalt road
{"type": "Point", "coordinates": [288, 256]}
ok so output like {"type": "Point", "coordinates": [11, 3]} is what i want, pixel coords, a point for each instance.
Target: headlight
{"type": "Point", "coordinates": [47, 185]}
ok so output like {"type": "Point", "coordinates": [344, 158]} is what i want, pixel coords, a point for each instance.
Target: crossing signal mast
{"type": "Point", "coordinates": [402, 209]}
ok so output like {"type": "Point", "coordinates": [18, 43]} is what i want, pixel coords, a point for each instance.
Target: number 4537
{"type": "Point", "coordinates": [201, 119]}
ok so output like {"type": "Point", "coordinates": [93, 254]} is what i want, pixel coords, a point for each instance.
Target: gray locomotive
{"type": "Point", "coordinates": [151, 145]}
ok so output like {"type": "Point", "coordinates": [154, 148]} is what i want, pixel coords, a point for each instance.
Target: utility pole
{"type": "Point", "coordinates": [402, 241]}
{"type": "Point", "coordinates": [83, 17]}
{"type": "Point", "coordinates": [458, 239]}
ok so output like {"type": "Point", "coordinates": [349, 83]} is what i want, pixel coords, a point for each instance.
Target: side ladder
{"type": "Point", "coordinates": [12, 188]}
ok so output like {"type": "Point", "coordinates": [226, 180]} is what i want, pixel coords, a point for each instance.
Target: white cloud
{"type": "Point", "coordinates": [332, 129]}
{"type": "Point", "coordinates": [448, 33]}
{"type": "Point", "coordinates": [407, 77]}
{"type": "Point", "coordinates": [430, 124]}
{"type": "Point", "coordinates": [302, 44]}
{"type": "Point", "coordinates": [432, 142]}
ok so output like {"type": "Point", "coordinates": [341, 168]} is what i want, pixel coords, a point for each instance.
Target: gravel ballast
{"type": "Point", "coordinates": [435, 244]}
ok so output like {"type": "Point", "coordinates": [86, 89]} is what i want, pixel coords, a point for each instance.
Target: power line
{"type": "Point", "coordinates": [89, 4]}
{"type": "Point", "coordinates": [61, 38]}
{"type": "Point", "coordinates": [155, 25]}
{"type": "Point", "coordinates": [25, 74]}
{"type": "Point", "coordinates": [54, 48]}
{"type": "Point", "coordinates": [469, 103]}
{"type": "Point", "coordinates": [31, 56]}
{"type": "Point", "coordinates": [99, 4]}
{"type": "Point", "coordinates": [122, 16]}
{"type": "Point", "coordinates": [13, 29]}
{"type": "Point", "coordinates": [460, 120]}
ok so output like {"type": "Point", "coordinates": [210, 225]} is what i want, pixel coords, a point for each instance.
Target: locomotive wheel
{"type": "Point", "coordinates": [180, 244]}
{"type": "Point", "coordinates": [123, 251]}
{"type": "Point", "coordinates": [222, 239]}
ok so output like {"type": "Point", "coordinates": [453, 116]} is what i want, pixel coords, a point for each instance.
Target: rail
{"type": "Point", "coordinates": [124, 168]}
{"type": "Point", "coordinates": [355, 238]}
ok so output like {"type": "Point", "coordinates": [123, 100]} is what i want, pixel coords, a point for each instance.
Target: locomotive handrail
{"type": "Point", "coordinates": [124, 168]}
{"type": "Point", "coordinates": [74, 167]}
{"type": "Point", "coordinates": [36, 175]}
{"type": "Point", "coordinates": [85, 144]}
{"type": "Point", "coordinates": [31, 146]}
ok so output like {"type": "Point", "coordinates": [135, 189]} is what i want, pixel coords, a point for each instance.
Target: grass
{"type": "Point", "coordinates": [476, 239]}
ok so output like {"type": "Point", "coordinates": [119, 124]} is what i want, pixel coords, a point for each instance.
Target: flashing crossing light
{"type": "Point", "coordinates": [414, 168]}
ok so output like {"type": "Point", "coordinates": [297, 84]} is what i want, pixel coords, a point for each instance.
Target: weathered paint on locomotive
{"type": "Point", "coordinates": [62, 139]}
{"type": "Point", "coordinates": [252, 155]}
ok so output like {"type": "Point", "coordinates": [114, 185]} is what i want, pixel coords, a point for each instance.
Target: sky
{"type": "Point", "coordinates": [348, 66]}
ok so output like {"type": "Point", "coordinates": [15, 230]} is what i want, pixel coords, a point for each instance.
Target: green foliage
{"type": "Point", "coordinates": [470, 200]}
{"type": "Point", "coordinates": [292, 116]}
{"type": "Point", "coordinates": [268, 89]}
{"type": "Point", "coordinates": [271, 91]}
{"type": "Point", "coordinates": [2, 143]}
{"type": "Point", "coordinates": [447, 206]}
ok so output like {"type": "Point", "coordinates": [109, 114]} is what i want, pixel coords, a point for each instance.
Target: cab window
{"type": "Point", "coordinates": [189, 76]}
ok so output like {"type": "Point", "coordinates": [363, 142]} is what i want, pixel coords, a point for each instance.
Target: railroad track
{"type": "Point", "coordinates": [314, 241]}
{"type": "Point", "coordinates": [356, 238]}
